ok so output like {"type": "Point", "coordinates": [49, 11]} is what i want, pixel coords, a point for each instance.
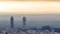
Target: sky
{"type": "Point", "coordinates": [29, 7]}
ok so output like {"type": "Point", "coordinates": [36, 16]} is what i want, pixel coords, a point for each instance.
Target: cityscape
{"type": "Point", "coordinates": [29, 16]}
{"type": "Point", "coordinates": [33, 30]}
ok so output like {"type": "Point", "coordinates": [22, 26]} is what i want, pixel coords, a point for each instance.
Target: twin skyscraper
{"type": "Point", "coordinates": [12, 22]}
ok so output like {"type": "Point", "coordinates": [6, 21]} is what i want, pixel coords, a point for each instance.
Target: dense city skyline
{"type": "Point", "coordinates": [29, 16]}
{"type": "Point", "coordinates": [46, 28]}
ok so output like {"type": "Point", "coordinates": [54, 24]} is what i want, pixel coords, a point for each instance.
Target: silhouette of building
{"type": "Point", "coordinates": [24, 22]}
{"type": "Point", "coordinates": [45, 27]}
{"type": "Point", "coordinates": [12, 22]}
{"type": "Point", "coordinates": [6, 33]}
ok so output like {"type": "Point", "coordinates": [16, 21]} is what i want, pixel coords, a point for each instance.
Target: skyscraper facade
{"type": "Point", "coordinates": [12, 22]}
{"type": "Point", "coordinates": [24, 22]}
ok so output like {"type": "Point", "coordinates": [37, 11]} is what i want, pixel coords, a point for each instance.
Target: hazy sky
{"type": "Point", "coordinates": [29, 7]}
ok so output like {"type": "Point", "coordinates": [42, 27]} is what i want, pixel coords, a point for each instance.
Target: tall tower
{"type": "Point", "coordinates": [24, 22]}
{"type": "Point", "coordinates": [12, 22]}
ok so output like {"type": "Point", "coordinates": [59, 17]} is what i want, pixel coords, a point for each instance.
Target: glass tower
{"type": "Point", "coordinates": [24, 22]}
{"type": "Point", "coordinates": [12, 22]}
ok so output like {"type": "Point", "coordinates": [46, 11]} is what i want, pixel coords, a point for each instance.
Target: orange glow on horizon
{"type": "Point", "coordinates": [30, 7]}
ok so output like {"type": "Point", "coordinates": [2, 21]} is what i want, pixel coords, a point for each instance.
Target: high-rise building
{"type": "Point", "coordinates": [24, 22]}
{"type": "Point", "coordinates": [12, 22]}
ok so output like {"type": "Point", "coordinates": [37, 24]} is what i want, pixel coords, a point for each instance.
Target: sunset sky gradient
{"type": "Point", "coordinates": [29, 7]}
